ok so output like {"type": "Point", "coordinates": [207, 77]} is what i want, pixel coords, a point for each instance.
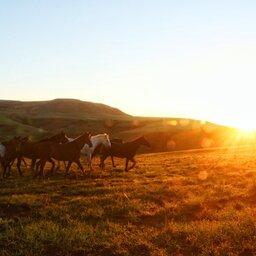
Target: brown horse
{"type": "Point", "coordinates": [12, 149]}
{"type": "Point", "coordinates": [30, 150]}
{"type": "Point", "coordinates": [123, 150]}
{"type": "Point", "coordinates": [69, 151]}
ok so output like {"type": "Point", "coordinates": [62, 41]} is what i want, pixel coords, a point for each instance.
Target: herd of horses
{"type": "Point", "coordinates": [69, 150]}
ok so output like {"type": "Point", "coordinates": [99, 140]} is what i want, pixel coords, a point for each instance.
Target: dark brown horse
{"type": "Point", "coordinates": [11, 151]}
{"type": "Point", "coordinates": [69, 151]}
{"type": "Point", "coordinates": [123, 150]}
{"type": "Point", "coordinates": [29, 149]}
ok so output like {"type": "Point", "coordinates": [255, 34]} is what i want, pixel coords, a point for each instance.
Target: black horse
{"type": "Point", "coordinates": [123, 150]}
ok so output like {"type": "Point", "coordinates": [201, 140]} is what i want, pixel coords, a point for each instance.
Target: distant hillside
{"type": "Point", "coordinates": [42, 118]}
{"type": "Point", "coordinates": [39, 119]}
{"type": "Point", "coordinates": [60, 107]}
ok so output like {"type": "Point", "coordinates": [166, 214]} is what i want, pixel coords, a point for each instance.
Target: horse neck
{"type": "Point", "coordinates": [80, 141]}
{"type": "Point", "coordinates": [135, 143]}
{"type": "Point", "coordinates": [14, 147]}
{"type": "Point", "coordinates": [70, 139]}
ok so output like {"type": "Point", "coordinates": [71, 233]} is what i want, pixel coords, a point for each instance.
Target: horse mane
{"type": "Point", "coordinates": [78, 138]}
{"type": "Point", "coordinates": [137, 139]}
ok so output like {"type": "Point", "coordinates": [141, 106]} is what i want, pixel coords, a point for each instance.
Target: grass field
{"type": "Point", "coordinates": [184, 203]}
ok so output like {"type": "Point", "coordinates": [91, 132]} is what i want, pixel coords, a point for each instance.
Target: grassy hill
{"type": "Point", "coordinates": [59, 108]}
{"type": "Point", "coordinates": [197, 202]}
{"type": "Point", "coordinates": [39, 119]}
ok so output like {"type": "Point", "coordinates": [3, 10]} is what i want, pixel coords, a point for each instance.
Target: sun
{"type": "Point", "coordinates": [245, 130]}
{"type": "Point", "coordinates": [245, 125]}
{"type": "Point", "coordinates": [244, 122]}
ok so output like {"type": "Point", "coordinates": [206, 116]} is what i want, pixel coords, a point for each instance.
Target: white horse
{"type": "Point", "coordinates": [97, 140]}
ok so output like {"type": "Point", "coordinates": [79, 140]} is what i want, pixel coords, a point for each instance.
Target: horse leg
{"type": "Point", "coordinates": [102, 159]}
{"type": "Point", "coordinates": [126, 164]}
{"type": "Point", "coordinates": [38, 164]}
{"type": "Point", "coordinates": [24, 162]}
{"type": "Point", "coordinates": [4, 166]}
{"type": "Point", "coordinates": [133, 163]}
{"type": "Point", "coordinates": [80, 166]}
{"type": "Point", "coordinates": [53, 165]}
{"type": "Point", "coordinates": [89, 158]}
{"type": "Point", "coordinates": [58, 166]}
{"type": "Point", "coordinates": [113, 163]}
{"type": "Point", "coordinates": [18, 164]}
{"type": "Point", "coordinates": [41, 173]}
{"type": "Point", "coordinates": [33, 163]}
{"type": "Point", "coordinates": [4, 171]}
{"type": "Point", "coordinates": [8, 168]}
{"type": "Point", "coordinates": [68, 166]}
{"type": "Point", "coordinates": [19, 169]}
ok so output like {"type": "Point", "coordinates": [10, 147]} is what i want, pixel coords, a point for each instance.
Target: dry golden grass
{"type": "Point", "coordinates": [186, 203]}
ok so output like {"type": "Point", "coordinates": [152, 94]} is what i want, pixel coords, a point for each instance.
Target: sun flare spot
{"type": "Point", "coordinates": [248, 134]}
{"type": "Point", "coordinates": [245, 122]}
{"type": "Point", "coordinates": [246, 125]}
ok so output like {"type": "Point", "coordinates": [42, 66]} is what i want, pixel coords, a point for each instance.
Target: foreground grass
{"type": "Point", "coordinates": [190, 203]}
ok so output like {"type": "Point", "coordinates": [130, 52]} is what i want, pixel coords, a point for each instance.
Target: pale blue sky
{"type": "Point", "coordinates": [150, 58]}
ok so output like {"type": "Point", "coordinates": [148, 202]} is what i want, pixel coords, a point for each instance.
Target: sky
{"type": "Point", "coordinates": [165, 58]}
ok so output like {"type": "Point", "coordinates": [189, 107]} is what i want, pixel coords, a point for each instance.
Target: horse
{"type": "Point", "coordinates": [69, 151]}
{"type": "Point", "coordinates": [123, 150]}
{"type": "Point", "coordinates": [29, 149]}
{"type": "Point", "coordinates": [97, 141]}
{"type": "Point", "coordinates": [9, 151]}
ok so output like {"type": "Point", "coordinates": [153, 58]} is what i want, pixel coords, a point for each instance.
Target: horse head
{"type": "Point", "coordinates": [62, 137]}
{"type": "Point", "coordinates": [15, 145]}
{"type": "Point", "coordinates": [87, 139]}
{"type": "Point", "coordinates": [106, 141]}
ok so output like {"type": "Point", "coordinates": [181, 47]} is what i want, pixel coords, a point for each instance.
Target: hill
{"type": "Point", "coordinates": [39, 119]}
{"type": "Point", "coordinates": [59, 108]}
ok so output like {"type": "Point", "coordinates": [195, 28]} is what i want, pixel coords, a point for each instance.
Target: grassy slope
{"type": "Point", "coordinates": [10, 127]}
{"type": "Point", "coordinates": [49, 117]}
{"type": "Point", "coordinates": [59, 108]}
{"type": "Point", "coordinates": [44, 118]}
{"type": "Point", "coordinates": [187, 203]}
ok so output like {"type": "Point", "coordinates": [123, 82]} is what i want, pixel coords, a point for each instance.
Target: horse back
{"type": "Point", "coordinates": [122, 150]}
{"type": "Point", "coordinates": [66, 152]}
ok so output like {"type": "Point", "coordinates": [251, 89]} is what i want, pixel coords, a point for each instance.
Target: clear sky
{"type": "Point", "coordinates": [167, 58]}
